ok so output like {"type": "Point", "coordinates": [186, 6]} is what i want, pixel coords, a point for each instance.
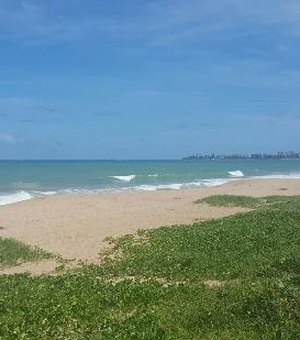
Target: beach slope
{"type": "Point", "coordinates": [75, 226]}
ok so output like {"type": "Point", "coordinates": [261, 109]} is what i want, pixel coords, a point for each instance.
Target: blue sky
{"type": "Point", "coordinates": [148, 79]}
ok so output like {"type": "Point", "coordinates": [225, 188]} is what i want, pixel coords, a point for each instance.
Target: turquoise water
{"type": "Point", "coordinates": [25, 179]}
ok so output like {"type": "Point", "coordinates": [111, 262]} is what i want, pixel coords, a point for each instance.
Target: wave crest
{"type": "Point", "coordinates": [124, 178]}
{"type": "Point", "coordinates": [15, 197]}
{"type": "Point", "coordinates": [236, 173]}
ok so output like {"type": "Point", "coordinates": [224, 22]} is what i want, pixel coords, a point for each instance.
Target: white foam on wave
{"type": "Point", "coordinates": [47, 193]}
{"type": "Point", "coordinates": [178, 186]}
{"type": "Point", "coordinates": [215, 182]}
{"type": "Point", "coordinates": [154, 175]}
{"type": "Point", "coordinates": [15, 197]}
{"type": "Point", "coordinates": [146, 187]}
{"type": "Point", "coordinates": [236, 173]}
{"type": "Point", "coordinates": [124, 178]}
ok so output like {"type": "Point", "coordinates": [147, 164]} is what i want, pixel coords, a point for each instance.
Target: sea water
{"type": "Point", "coordinates": [22, 180]}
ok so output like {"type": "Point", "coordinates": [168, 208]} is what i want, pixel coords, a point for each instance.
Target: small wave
{"type": "Point", "coordinates": [178, 186]}
{"type": "Point", "coordinates": [215, 182]}
{"type": "Point", "coordinates": [174, 186]}
{"type": "Point", "coordinates": [15, 198]}
{"type": "Point", "coordinates": [47, 193]}
{"type": "Point", "coordinates": [154, 175]}
{"type": "Point", "coordinates": [124, 178]}
{"type": "Point", "coordinates": [145, 187]}
{"type": "Point", "coordinates": [236, 173]}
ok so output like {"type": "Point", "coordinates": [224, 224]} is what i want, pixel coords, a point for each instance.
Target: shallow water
{"type": "Point", "coordinates": [21, 180]}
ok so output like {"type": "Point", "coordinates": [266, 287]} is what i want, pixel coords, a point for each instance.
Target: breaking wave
{"type": "Point", "coordinates": [177, 186]}
{"type": "Point", "coordinates": [124, 178]}
{"type": "Point", "coordinates": [15, 197]}
{"type": "Point", "coordinates": [236, 173]}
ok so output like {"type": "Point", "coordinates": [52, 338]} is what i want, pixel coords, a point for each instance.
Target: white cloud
{"type": "Point", "coordinates": [7, 138]}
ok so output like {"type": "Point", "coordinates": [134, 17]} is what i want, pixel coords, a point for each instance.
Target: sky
{"type": "Point", "coordinates": [159, 79]}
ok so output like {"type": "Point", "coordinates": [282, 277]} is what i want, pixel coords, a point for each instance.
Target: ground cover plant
{"type": "Point", "coordinates": [233, 201]}
{"type": "Point", "coordinates": [231, 278]}
{"type": "Point", "coordinates": [13, 252]}
{"type": "Point", "coordinates": [247, 201]}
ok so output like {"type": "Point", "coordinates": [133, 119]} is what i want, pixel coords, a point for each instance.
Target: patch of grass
{"type": "Point", "coordinates": [233, 201]}
{"type": "Point", "coordinates": [87, 307]}
{"type": "Point", "coordinates": [158, 288]}
{"type": "Point", "coordinates": [13, 252]}
{"type": "Point", "coordinates": [247, 201]}
{"type": "Point", "coordinates": [231, 248]}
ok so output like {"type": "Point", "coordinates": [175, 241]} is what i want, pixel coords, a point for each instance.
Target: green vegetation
{"type": "Point", "coordinates": [13, 252]}
{"type": "Point", "coordinates": [233, 201]}
{"type": "Point", "coordinates": [247, 201]}
{"type": "Point", "coordinates": [231, 278]}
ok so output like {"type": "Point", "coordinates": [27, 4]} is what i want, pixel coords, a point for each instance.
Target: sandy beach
{"type": "Point", "coordinates": [75, 226]}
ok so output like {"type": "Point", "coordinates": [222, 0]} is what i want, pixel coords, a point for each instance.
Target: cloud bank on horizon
{"type": "Point", "coordinates": [148, 79]}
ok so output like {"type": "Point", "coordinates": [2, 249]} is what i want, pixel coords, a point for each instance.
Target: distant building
{"type": "Point", "coordinates": [278, 155]}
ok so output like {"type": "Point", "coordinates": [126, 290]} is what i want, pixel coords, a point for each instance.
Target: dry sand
{"type": "Point", "coordinates": [75, 226]}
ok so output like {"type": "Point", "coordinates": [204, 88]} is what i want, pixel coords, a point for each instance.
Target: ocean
{"type": "Point", "coordinates": [23, 180]}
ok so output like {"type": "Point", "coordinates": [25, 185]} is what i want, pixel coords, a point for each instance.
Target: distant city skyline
{"type": "Point", "coordinates": [276, 155]}
{"type": "Point", "coordinates": [148, 79]}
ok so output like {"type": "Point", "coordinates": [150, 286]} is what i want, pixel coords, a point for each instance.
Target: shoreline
{"type": "Point", "coordinates": [75, 226]}
{"type": "Point", "coordinates": [28, 194]}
